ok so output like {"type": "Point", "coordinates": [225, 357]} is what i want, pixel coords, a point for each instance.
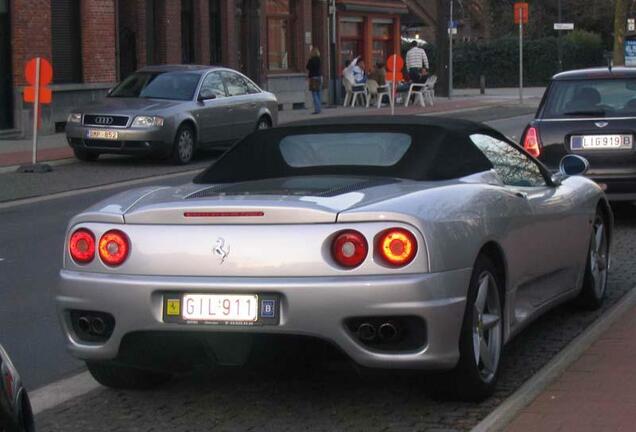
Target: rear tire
{"type": "Point", "coordinates": [184, 145]}
{"type": "Point", "coordinates": [85, 155]}
{"type": "Point", "coordinates": [596, 267]}
{"type": "Point", "coordinates": [125, 377]}
{"type": "Point", "coordinates": [481, 340]}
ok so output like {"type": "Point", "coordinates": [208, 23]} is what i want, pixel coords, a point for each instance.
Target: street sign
{"type": "Point", "coordinates": [631, 24]}
{"type": "Point", "coordinates": [564, 26]}
{"type": "Point", "coordinates": [521, 12]}
{"type": "Point", "coordinates": [452, 30]}
{"type": "Point", "coordinates": [630, 52]}
{"type": "Point", "coordinates": [46, 75]}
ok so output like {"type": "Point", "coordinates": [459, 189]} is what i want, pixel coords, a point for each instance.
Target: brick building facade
{"type": "Point", "coordinates": [92, 44]}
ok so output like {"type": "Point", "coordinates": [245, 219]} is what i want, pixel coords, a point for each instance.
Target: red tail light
{"type": "Point", "coordinates": [114, 247]}
{"type": "Point", "coordinates": [81, 246]}
{"type": "Point", "coordinates": [397, 246]}
{"type": "Point", "coordinates": [531, 142]}
{"type": "Point", "coordinates": [349, 248]}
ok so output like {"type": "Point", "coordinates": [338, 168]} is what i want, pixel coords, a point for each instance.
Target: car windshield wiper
{"type": "Point", "coordinates": [586, 113]}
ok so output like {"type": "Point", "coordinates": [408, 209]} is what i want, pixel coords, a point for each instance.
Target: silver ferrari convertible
{"type": "Point", "coordinates": [406, 242]}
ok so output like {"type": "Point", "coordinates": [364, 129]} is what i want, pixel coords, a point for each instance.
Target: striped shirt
{"type": "Point", "coordinates": [416, 58]}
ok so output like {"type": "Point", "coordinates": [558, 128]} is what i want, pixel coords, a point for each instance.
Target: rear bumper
{"type": "Point", "coordinates": [617, 188]}
{"type": "Point", "coordinates": [312, 306]}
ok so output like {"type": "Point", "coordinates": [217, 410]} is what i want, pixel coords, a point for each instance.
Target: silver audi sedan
{"type": "Point", "coordinates": [171, 111]}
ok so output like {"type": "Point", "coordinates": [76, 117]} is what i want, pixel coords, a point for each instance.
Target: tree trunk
{"type": "Point", "coordinates": [443, 13]}
{"type": "Point", "coordinates": [620, 20]}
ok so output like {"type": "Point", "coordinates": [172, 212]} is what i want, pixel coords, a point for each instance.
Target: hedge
{"type": "Point", "coordinates": [498, 59]}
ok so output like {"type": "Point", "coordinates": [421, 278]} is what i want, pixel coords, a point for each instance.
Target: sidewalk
{"type": "Point", "coordinates": [54, 147]}
{"type": "Point", "coordinates": [595, 393]}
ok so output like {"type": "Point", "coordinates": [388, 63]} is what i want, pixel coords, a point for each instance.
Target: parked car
{"type": "Point", "coordinates": [592, 113]}
{"type": "Point", "coordinates": [15, 407]}
{"type": "Point", "coordinates": [171, 111]}
{"type": "Point", "coordinates": [407, 242]}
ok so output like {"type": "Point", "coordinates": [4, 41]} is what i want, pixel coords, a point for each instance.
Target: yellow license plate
{"type": "Point", "coordinates": [101, 134]}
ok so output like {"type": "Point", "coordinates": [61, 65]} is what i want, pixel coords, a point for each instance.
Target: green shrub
{"type": "Point", "coordinates": [498, 60]}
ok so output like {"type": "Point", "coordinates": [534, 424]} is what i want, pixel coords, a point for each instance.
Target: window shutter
{"type": "Point", "coordinates": [66, 43]}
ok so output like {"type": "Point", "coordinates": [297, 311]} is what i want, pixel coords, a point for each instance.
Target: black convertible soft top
{"type": "Point", "coordinates": [441, 149]}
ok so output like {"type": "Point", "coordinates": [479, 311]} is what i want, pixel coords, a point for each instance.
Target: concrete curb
{"type": "Point", "coordinates": [508, 410]}
{"type": "Point", "coordinates": [61, 391]}
{"type": "Point", "coordinates": [56, 162]}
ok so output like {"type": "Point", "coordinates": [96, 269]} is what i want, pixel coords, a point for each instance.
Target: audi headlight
{"type": "Point", "coordinates": [74, 118]}
{"type": "Point", "coordinates": [147, 121]}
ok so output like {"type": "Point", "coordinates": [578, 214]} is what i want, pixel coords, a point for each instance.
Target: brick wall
{"type": "Point", "coordinates": [30, 34]}
{"type": "Point", "coordinates": [202, 31]}
{"type": "Point", "coordinates": [98, 41]}
{"type": "Point", "coordinates": [168, 31]}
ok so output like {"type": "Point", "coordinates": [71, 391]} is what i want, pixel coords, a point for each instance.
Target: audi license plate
{"type": "Point", "coordinates": [101, 134]}
{"type": "Point", "coordinates": [601, 142]}
{"type": "Point", "coordinates": [219, 307]}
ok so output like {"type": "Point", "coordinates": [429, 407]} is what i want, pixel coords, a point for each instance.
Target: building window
{"type": "Point", "coordinates": [216, 52]}
{"type": "Point", "coordinates": [382, 40]}
{"type": "Point", "coordinates": [351, 33]}
{"type": "Point", "coordinates": [279, 35]}
{"type": "Point", "coordinates": [66, 49]}
{"type": "Point", "coordinates": [187, 32]}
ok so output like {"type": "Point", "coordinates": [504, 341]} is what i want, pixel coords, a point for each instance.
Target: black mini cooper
{"type": "Point", "coordinates": [592, 113]}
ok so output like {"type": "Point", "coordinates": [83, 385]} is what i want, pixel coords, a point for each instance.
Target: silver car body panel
{"type": "Point", "coordinates": [542, 234]}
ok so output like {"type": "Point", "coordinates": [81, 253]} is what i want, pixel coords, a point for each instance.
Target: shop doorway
{"type": "Point", "coordinates": [6, 96]}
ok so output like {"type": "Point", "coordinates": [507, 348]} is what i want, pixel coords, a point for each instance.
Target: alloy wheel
{"type": "Point", "coordinates": [487, 327]}
{"type": "Point", "coordinates": [185, 145]}
{"type": "Point", "coordinates": [599, 257]}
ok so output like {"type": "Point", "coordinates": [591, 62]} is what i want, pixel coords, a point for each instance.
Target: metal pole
{"type": "Point", "coordinates": [334, 56]}
{"type": "Point", "coordinates": [36, 109]}
{"type": "Point", "coordinates": [520, 56]}
{"type": "Point", "coordinates": [450, 53]}
{"type": "Point", "coordinates": [560, 45]}
{"type": "Point", "coordinates": [394, 86]}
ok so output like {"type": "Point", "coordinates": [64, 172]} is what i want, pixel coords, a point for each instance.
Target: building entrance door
{"type": "Point", "coordinates": [6, 97]}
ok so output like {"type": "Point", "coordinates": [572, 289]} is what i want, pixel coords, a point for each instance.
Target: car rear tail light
{"type": "Point", "coordinates": [114, 247]}
{"type": "Point", "coordinates": [81, 246]}
{"type": "Point", "coordinates": [397, 246]}
{"type": "Point", "coordinates": [349, 248]}
{"type": "Point", "coordinates": [531, 142]}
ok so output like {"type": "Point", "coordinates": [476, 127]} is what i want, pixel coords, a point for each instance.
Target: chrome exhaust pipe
{"type": "Point", "coordinates": [98, 326]}
{"type": "Point", "coordinates": [366, 332]}
{"type": "Point", "coordinates": [387, 332]}
{"type": "Point", "coordinates": [84, 324]}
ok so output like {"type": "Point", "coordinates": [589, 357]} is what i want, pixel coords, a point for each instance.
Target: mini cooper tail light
{"type": "Point", "coordinates": [349, 248]}
{"type": "Point", "coordinates": [531, 142]}
{"type": "Point", "coordinates": [396, 246]}
{"type": "Point", "coordinates": [81, 246]}
{"type": "Point", "coordinates": [114, 247]}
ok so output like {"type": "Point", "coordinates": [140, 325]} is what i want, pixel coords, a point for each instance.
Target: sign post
{"type": "Point", "coordinates": [521, 18]}
{"type": "Point", "coordinates": [38, 73]}
{"type": "Point", "coordinates": [394, 65]}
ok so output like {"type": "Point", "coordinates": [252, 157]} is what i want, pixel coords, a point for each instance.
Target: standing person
{"type": "Point", "coordinates": [315, 78]}
{"type": "Point", "coordinates": [416, 63]}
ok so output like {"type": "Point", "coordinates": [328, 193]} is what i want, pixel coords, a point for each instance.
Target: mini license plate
{"type": "Point", "coordinates": [101, 134]}
{"type": "Point", "coordinates": [219, 307]}
{"type": "Point", "coordinates": [601, 142]}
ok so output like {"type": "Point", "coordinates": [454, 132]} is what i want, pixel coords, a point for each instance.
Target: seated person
{"type": "Point", "coordinates": [359, 74]}
{"type": "Point", "coordinates": [379, 74]}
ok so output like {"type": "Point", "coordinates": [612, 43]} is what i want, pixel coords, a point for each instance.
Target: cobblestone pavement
{"type": "Point", "coordinates": [334, 400]}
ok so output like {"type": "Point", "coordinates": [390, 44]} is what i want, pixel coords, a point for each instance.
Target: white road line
{"type": "Point", "coordinates": [75, 192]}
{"type": "Point", "coordinates": [54, 394]}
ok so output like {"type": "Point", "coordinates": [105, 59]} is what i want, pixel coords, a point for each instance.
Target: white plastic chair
{"type": "Point", "coordinates": [379, 92]}
{"type": "Point", "coordinates": [359, 90]}
{"type": "Point", "coordinates": [422, 91]}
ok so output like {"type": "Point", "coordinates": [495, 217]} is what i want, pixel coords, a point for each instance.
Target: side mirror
{"type": "Point", "coordinates": [572, 165]}
{"type": "Point", "coordinates": [206, 94]}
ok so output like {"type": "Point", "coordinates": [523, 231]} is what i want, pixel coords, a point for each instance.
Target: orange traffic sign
{"type": "Point", "coordinates": [521, 12]}
{"type": "Point", "coordinates": [46, 76]}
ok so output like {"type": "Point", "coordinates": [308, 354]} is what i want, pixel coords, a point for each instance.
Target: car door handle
{"type": "Point", "coordinates": [521, 194]}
